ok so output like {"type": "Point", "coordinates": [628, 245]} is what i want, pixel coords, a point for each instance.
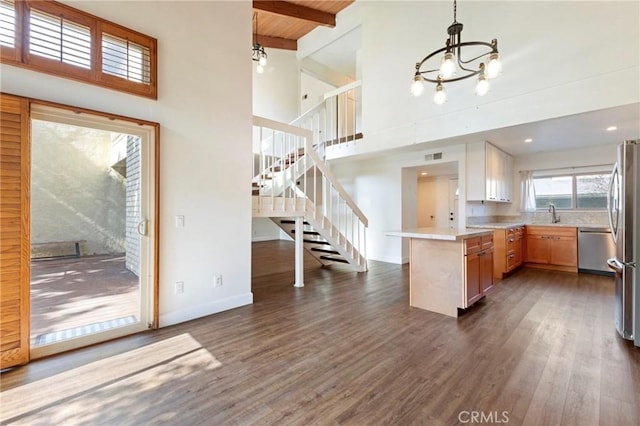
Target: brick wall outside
{"type": "Point", "coordinates": [133, 204]}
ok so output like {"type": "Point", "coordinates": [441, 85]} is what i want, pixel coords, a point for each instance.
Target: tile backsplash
{"type": "Point", "coordinates": [577, 218]}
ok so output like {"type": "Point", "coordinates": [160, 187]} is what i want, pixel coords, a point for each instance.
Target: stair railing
{"type": "Point", "coordinates": [336, 119]}
{"type": "Point", "coordinates": [296, 178]}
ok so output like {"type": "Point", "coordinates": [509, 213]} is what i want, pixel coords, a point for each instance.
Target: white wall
{"type": "Point", "coordinates": [263, 229]}
{"type": "Point", "coordinates": [376, 189]}
{"type": "Point", "coordinates": [314, 91]}
{"type": "Point", "coordinates": [275, 91]}
{"type": "Point", "coordinates": [410, 197]}
{"type": "Point", "coordinates": [479, 208]}
{"type": "Point", "coordinates": [204, 109]}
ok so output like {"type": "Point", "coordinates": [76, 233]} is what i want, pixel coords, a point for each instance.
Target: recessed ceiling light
{"type": "Point", "coordinates": [528, 140]}
{"type": "Point", "coordinates": [424, 173]}
{"type": "Point", "coordinates": [611, 128]}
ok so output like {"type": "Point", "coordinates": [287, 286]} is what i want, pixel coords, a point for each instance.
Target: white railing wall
{"type": "Point", "coordinates": [290, 174]}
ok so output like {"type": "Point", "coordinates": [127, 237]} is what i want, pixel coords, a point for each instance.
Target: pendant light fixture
{"type": "Point", "coordinates": [258, 54]}
{"type": "Point", "coordinates": [453, 67]}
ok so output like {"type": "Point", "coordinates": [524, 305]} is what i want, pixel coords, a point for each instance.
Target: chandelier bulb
{"type": "Point", "coordinates": [494, 67]}
{"type": "Point", "coordinates": [482, 86]}
{"type": "Point", "coordinates": [260, 69]}
{"type": "Point", "coordinates": [263, 60]}
{"type": "Point", "coordinates": [440, 96]}
{"type": "Point", "coordinates": [448, 65]}
{"type": "Point", "coordinates": [418, 85]}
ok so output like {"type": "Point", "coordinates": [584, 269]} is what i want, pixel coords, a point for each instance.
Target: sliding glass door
{"type": "Point", "coordinates": [92, 234]}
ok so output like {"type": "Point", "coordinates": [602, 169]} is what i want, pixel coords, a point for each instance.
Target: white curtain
{"type": "Point", "coordinates": [527, 192]}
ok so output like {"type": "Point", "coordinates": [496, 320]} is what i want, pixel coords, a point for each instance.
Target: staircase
{"type": "Point", "coordinates": [293, 184]}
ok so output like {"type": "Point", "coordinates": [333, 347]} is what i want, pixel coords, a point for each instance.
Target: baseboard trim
{"type": "Point", "coordinates": [389, 259]}
{"type": "Point", "coordinates": [266, 238]}
{"type": "Point", "coordinates": [205, 309]}
{"type": "Point", "coordinates": [552, 267]}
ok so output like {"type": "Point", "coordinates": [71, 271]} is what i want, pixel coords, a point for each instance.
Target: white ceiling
{"type": "Point", "coordinates": [558, 134]}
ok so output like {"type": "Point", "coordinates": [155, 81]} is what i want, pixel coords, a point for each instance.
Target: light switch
{"type": "Point", "coordinates": [179, 221]}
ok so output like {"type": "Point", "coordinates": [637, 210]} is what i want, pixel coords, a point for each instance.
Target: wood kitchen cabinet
{"type": "Point", "coordinates": [552, 247]}
{"type": "Point", "coordinates": [486, 270]}
{"type": "Point", "coordinates": [489, 173]}
{"type": "Point", "coordinates": [473, 288]}
{"type": "Point", "coordinates": [449, 269]}
{"type": "Point", "coordinates": [478, 268]}
{"type": "Point", "coordinates": [508, 254]}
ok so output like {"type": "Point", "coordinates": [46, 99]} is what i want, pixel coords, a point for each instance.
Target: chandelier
{"type": "Point", "coordinates": [258, 54]}
{"type": "Point", "coordinates": [453, 67]}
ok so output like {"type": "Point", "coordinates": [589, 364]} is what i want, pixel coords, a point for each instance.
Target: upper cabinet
{"type": "Point", "coordinates": [489, 173]}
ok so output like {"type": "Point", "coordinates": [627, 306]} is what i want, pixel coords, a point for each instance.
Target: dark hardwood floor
{"type": "Point", "coordinates": [348, 349]}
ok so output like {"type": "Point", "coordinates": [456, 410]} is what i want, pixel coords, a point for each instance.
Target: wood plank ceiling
{"type": "Point", "coordinates": [279, 24]}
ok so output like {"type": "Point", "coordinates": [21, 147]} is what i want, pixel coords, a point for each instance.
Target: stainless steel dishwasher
{"type": "Point", "coordinates": [595, 247]}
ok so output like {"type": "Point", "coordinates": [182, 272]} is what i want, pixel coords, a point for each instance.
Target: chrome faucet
{"type": "Point", "coordinates": [552, 210]}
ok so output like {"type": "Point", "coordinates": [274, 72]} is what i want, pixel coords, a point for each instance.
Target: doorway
{"type": "Point", "coordinates": [92, 249]}
{"type": "Point", "coordinates": [437, 195]}
{"type": "Point", "coordinates": [453, 202]}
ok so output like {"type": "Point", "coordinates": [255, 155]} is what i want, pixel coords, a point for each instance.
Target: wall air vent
{"type": "Point", "coordinates": [434, 156]}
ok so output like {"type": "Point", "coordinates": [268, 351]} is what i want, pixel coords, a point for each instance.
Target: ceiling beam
{"type": "Point", "coordinates": [277, 42]}
{"type": "Point", "coordinates": [295, 11]}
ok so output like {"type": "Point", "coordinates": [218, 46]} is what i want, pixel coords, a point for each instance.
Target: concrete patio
{"type": "Point", "coordinates": [75, 296]}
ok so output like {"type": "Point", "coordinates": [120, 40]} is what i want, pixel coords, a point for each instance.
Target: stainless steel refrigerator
{"type": "Point", "coordinates": [624, 219]}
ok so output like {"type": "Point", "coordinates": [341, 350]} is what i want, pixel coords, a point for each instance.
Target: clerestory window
{"type": "Point", "coordinates": [54, 38]}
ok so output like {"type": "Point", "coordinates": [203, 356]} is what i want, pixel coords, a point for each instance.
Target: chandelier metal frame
{"type": "Point", "coordinates": [258, 54]}
{"type": "Point", "coordinates": [453, 51]}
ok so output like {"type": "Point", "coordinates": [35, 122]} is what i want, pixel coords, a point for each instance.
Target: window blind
{"type": "Point", "coordinates": [59, 39]}
{"type": "Point", "coordinates": [126, 59]}
{"type": "Point", "coordinates": [7, 23]}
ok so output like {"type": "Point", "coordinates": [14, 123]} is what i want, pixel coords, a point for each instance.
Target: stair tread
{"type": "Point", "coordinates": [334, 259]}
{"type": "Point", "coordinates": [289, 221]}
{"type": "Point", "coordinates": [293, 231]}
{"type": "Point", "coordinates": [317, 242]}
{"type": "Point", "coordinates": [320, 250]}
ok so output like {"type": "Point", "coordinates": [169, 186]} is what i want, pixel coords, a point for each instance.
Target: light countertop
{"type": "Point", "coordinates": [497, 225]}
{"type": "Point", "coordinates": [505, 225]}
{"type": "Point", "coordinates": [445, 234]}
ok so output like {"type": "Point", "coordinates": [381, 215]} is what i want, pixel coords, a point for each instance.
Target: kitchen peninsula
{"type": "Point", "coordinates": [449, 268]}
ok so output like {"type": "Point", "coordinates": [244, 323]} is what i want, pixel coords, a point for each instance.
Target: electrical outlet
{"type": "Point", "coordinates": [217, 281]}
{"type": "Point", "coordinates": [179, 287]}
